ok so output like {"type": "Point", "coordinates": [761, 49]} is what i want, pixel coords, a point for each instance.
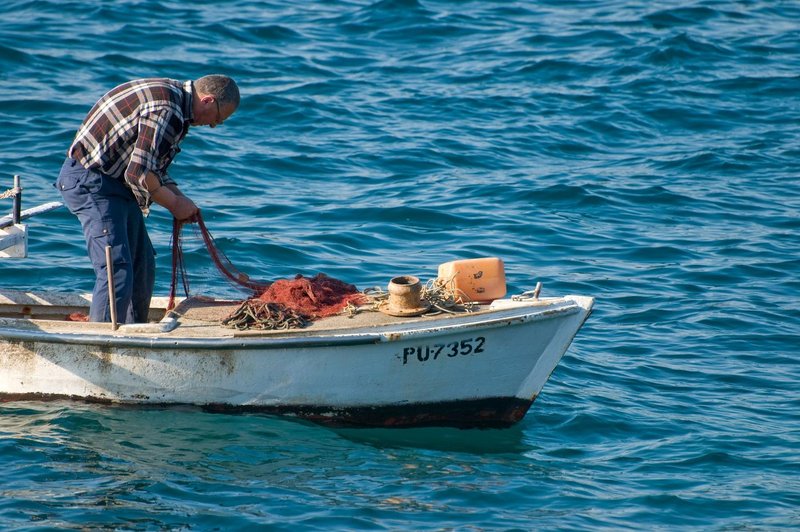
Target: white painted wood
{"type": "Point", "coordinates": [7, 220]}
{"type": "Point", "coordinates": [508, 352]}
{"type": "Point", "coordinates": [14, 241]}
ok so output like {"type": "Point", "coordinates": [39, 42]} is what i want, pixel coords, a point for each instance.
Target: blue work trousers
{"type": "Point", "coordinates": [110, 216]}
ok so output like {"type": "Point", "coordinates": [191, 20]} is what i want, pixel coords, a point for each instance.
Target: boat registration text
{"type": "Point", "coordinates": [424, 353]}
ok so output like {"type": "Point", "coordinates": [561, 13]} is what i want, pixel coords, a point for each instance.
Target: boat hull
{"type": "Point", "coordinates": [473, 371]}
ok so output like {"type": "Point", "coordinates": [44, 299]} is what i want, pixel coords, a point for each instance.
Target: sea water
{"type": "Point", "coordinates": [644, 153]}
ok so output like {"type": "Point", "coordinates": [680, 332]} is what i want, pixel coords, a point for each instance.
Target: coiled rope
{"type": "Point", "coordinates": [438, 293]}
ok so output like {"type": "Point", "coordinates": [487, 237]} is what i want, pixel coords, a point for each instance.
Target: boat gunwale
{"type": "Point", "coordinates": [384, 334]}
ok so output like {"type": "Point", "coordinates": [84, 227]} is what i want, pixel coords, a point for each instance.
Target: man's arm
{"type": "Point", "coordinates": [171, 198]}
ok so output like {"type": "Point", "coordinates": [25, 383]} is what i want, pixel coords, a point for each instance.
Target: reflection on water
{"type": "Point", "coordinates": [477, 441]}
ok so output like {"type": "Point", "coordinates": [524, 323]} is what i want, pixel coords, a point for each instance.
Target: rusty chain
{"type": "Point", "coordinates": [256, 314]}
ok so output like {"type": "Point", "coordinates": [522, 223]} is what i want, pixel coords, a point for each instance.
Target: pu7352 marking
{"type": "Point", "coordinates": [424, 353]}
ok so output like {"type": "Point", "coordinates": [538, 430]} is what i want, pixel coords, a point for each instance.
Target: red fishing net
{"type": "Point", "coordinates": [302, 298]}
{"type": "Point", "coordinates": [317, 297]}
{"type": "Point", "coordinates": [223, 264]}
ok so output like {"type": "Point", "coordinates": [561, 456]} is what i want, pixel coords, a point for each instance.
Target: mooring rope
{"type": "Point", "coordinates": [436, 292]}
{"type": "Point", "coordinates": [439, 295]}
{"type": "Point", "coordinates": [11, 192]}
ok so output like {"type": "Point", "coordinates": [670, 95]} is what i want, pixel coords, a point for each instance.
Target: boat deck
{"type": "Point", "coordinates": [203, 314]}
{"type": "Point", "coordinates": [195, 317]}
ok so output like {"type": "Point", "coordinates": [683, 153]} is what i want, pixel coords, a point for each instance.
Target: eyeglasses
{"type": "Point", "coordinates": [219, 115]}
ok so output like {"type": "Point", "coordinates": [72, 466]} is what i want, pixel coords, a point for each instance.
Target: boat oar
{"type": "Point", "coordinates": [112, 296]}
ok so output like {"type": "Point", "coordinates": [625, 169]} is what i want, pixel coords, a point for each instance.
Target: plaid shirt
{"type": "Point", "coordinates": [135, 128]}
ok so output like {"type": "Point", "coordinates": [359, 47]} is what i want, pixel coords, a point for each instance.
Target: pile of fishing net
{"type": "Point", "coordinates": [283, 304]}
{"type": "Point", "coordinates": [293, 303]}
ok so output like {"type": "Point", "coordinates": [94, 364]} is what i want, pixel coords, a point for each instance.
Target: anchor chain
{"type": "Point", "coordinates": [256, 314]}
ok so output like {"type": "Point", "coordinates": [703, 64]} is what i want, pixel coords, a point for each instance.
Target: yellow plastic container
{"type": "Point", "coordinates": [479, 280]}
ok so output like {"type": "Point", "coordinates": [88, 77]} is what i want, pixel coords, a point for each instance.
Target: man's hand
{"type": "Point", "coordinates": [184, 209]}
{"type": "Point", "coordinates": [181, 207]}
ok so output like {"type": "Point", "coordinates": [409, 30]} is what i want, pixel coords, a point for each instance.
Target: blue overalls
{"type": "Point", "coordinates": [110, 215]}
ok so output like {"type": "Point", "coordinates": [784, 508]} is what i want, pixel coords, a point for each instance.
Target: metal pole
{"type": "Point", "coordinates": [112, 297]}
{"type": "Point", "coordinates": [8, 219]}
{"type": "Point", "coordinates": [17, 199]}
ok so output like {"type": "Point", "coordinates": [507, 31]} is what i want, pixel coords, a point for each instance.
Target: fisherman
{"type": "Point", "coordinates": [117, 167]}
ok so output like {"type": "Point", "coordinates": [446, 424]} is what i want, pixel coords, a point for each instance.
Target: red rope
{"type": "Point", "coordinates": [314, 297]}
{"type": "Point", "coordinates": [224, 265]}
{"type": "Point", "coordinates": [219, 259]}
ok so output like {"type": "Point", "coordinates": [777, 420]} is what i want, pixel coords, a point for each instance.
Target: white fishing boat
{"type": "Point", "coordinates": [369, 367]}
{"type": "Point", "coordinates": [483, 368]}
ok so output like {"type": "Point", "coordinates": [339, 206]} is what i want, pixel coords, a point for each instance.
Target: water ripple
{"type": "Point", "coordinates": [643, 154]}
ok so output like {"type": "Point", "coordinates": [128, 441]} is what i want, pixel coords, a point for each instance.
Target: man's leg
{"type": "Point", "coordinates": [144, 265]}
{"type": "Point", "coordinates": [102, 204]}
{"type": "Point", "coordinates": [110, 230]}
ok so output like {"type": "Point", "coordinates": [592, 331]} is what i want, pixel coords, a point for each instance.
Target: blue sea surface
{"type": "Point", "coordinates": [644, 153]}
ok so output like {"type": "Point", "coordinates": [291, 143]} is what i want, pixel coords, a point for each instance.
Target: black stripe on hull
{"type": "Point", "coordinates": [497, 412]}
